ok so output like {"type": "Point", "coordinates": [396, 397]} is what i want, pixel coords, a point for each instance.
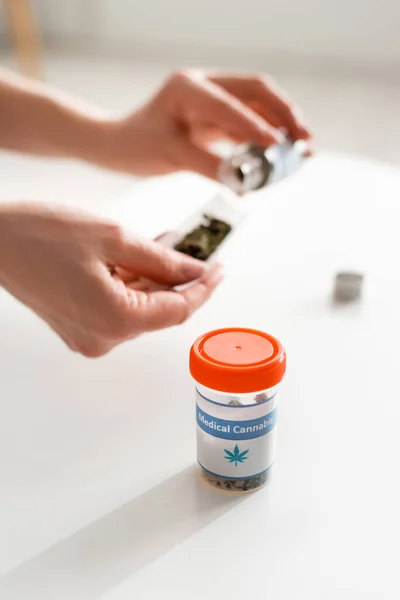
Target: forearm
{"type": "Point", "coordinates": [7, 220]}
{"type": "Point", "coordinates": [37, 119]}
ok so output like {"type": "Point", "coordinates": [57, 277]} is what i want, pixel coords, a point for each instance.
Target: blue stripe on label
{"type": "Point", "coordinates": [235, 430]}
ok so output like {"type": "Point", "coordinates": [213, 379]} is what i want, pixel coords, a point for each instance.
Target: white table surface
{"type": "Point", "coordinates": [98, 489]}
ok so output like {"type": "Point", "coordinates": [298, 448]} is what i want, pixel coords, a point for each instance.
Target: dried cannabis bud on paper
{"type": "Point", "coordinates": [204, 239]}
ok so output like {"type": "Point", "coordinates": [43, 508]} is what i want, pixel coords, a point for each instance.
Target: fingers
{"type": "Point", "coordinates": [215, 106]}
{"type": "Point", "coordinates": [122, 274]}
{"type": "Point", "coordinates": [151, 260]}
{"type": "Point", "coordinates": [198, 293]}
{"type": "Point", "coordinates": [129, 277]}
{"type": "Point", "coordinates": [272, 103]}
{"type": "Point", "coordinates": [160, 309]}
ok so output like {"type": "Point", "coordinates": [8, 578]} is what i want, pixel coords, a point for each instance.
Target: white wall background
{"type": "Point", "coordinates": [365, 30]}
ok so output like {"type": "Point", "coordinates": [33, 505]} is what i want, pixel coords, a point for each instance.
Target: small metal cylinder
{"type": "Point", "coordinates": [348, 286]}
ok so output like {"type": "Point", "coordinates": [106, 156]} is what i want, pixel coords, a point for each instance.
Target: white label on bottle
{"type": "Point", "coordinates": [236, 442]}
{"type": "Point", "coordinates": [288, 159]}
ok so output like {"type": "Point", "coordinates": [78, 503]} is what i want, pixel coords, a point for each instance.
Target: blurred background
{"type": "Point", "coordinates": [339, 60]}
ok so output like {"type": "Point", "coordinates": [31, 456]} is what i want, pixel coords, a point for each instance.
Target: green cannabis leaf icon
{"type": "Point", "coordinates": [236, 456]}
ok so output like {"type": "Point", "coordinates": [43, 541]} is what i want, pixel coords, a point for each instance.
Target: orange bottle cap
{"type": "Point", "coordinates": [237, 360]}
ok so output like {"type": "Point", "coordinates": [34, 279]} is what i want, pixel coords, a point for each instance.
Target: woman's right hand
{"type": "Point", "coordinates": [83, 275]}
{"type": "Point", "coordinates": [173, 130]}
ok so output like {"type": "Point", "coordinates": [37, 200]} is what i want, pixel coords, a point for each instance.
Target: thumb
{"type": "Point", "coordinates": [149, 259]}
{"type": "Point", "coordinates": [197, 159]}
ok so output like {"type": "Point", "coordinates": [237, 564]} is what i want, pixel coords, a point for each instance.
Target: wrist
{"type": "Point", "coordinates": [79, 131]}
{"type": "Point", "coordinates": [92, 139]}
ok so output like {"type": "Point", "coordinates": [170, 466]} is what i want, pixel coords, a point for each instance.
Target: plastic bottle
{"type": "Point", "coordinates": [237, 374]}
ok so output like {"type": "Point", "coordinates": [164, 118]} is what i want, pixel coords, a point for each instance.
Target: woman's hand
{"type": "Point", "coordinates": [91, 281]}
{"type": "Point", "coordinates": [171, 132]}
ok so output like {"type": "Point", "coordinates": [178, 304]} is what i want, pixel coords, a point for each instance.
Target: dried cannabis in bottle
{"type": "Point", "coordinates": [261, 397]}
{"type": "Point", "coordinates": [204, 239]}
{"type": "Point", "coordinates": [250, 484]}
